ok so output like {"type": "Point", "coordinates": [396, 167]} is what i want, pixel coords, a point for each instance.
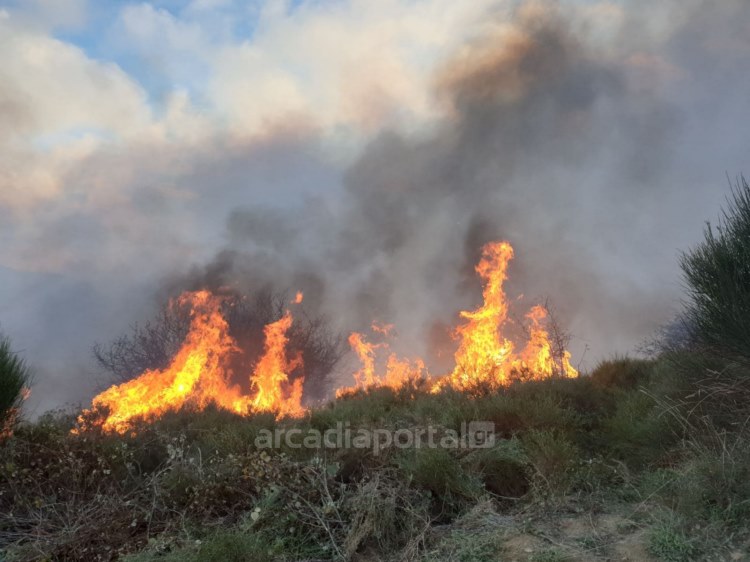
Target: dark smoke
{"type": "Point", "coordinates": [580, 157]}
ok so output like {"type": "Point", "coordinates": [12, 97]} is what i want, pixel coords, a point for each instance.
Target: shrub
{"type": "Point", "coordinates": [717, 275]}
{"type": "Point", "coordinates": [441, 474]}
{"type": "Point", "coordinates": [553, 459]}
{"type": "Point", "coordinates": [714, 484]}
{"type": "Point", "coordinates": [503, 469]}
{"type": "Point", "coordinates": [637, 432]}
{"type": "Point", "coordinates": [622, 372]}
{"type": "Point", "coordinates": [234, 546]}
{"type": "Point", "coordinates": [14, 378]}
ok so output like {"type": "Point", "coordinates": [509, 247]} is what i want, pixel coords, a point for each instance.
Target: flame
{"type": "Point", "coordinates": [271, 374]}
{"type": "Point", "coordinates": [366, 352]}
{"type": "Point", "coordinates": [384, 329]}
{"type": "Point", "coordinates": [568, 369]}
{"type": "Point", "coordinates": [398, 372]}
{"type": "Point", "coordinates": [537, 356]}
{"type": "Point", "coordinates": [198, 375]}
{"type": "Point", "coordinates": [484, 355]}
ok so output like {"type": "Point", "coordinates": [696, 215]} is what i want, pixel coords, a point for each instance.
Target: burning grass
{"type": "Point", "coordinates": [200, 372]}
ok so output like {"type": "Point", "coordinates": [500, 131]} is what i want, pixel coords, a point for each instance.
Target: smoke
{"type": "Point", "coordinates": [578, 153]}
{"type": "Point", "coordinates": [593, 137]}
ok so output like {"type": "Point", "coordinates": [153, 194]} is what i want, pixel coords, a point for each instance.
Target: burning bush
{"type": "Point", "coordinates": [210, 365]}
{"type": "Point", "coordinates": [153, 346]}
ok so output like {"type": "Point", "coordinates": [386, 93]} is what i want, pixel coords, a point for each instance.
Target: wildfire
{"type": "Point", "coordinates": [199, 373]}
{"type": "Point", "coordinates": [271, 374]}
{"type": "Point", "coordinates": [397, 371]}
{"type": "Point", "coordinates": [484, 355]}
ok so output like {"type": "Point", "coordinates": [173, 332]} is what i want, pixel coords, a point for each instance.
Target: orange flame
{"type": "Point", "coordinates": [537, 356]}
{"type": "Point", "coordinates": [198, 375]}
{"type": "Point", "coordinates": [397, 371]}
{"type": "Point", "coordinates": [271, 374]}
{"type": "Point", "coordinates": [366, 352]}
{"type": "Point", "coordinates": [484, 354]}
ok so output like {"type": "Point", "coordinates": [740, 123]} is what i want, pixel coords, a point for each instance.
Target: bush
{"type": "Point", "coordinates": [553, 459]}
{"type": "Point", "coordinates": [714, 485]}
{"type": "Point", "coordinates": [622, 372]}
{"type": "Point", "coordinates": [234, 546]}
{"type": "Point", "coordinates": [637, 433]}
{"type": "Point", "coordinates": [503, 469]}
{"type": "Point", "coordinates": [669, 542]}
{"type": "Point", "coordinates": [14, 378]}
{"type": "Point", "coordinates": [441, 474]}
{"type": "Point", "coordinates": [717, 275]}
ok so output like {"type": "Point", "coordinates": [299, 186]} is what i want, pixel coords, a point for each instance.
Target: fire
{"type": "Point", "coordinates": [398, 372]}
{"type": "Point", "coordinates": [366, 352]}
{"type": "Point", "coordinates": [198, 375]}
{"type": "Point", "coordinates": [537, 356]}
{"type": "Point", "coordinates": [271, 374]}
{"type": "Point", "coordinates": [484, 355]}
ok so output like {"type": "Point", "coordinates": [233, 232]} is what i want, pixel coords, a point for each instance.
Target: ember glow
{"type": "Point", "coordinates": [199, 374]}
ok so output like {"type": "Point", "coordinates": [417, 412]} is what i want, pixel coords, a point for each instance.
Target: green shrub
{"type": "Point", "coordinates": [553, 459]}
{"type": "Point", "coordinates": [622, 372]}
{"type": "Point", "coordinates": [440, 473]}
{"type": "Point", "coordinates": [503, 468]}
{"type": "Point", "coordinates": [14, 377]}
{"type": "Point", "coordinates": [714, 485]}
{"type": "Point", "coordinates": [637, 432]}
{"type": "Point", "coordinates": [717, 275]}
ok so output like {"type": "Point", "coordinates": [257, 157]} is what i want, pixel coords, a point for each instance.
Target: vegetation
{"type": "Point", "coordinates": [717, 274]}
{"type": "Point", "coordinates": [14, 378]}
{"type": "Point", "coordinates": [642, 459]}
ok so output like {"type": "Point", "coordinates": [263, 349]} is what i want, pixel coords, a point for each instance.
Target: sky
{"type": "Point", "coordinates": [362, 151]}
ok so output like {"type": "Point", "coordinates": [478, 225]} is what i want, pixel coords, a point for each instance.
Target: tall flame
{"type": "Point", "coordinates": [198, 375]}
{"type": "Point", "coordinates": [271, 374]}
{"type": "Point", "coordinates": [398, 372]}
{"type": "Point", "coordinates": [483, 354]}
{"type": "Point", "coordinates": [366, 352]}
